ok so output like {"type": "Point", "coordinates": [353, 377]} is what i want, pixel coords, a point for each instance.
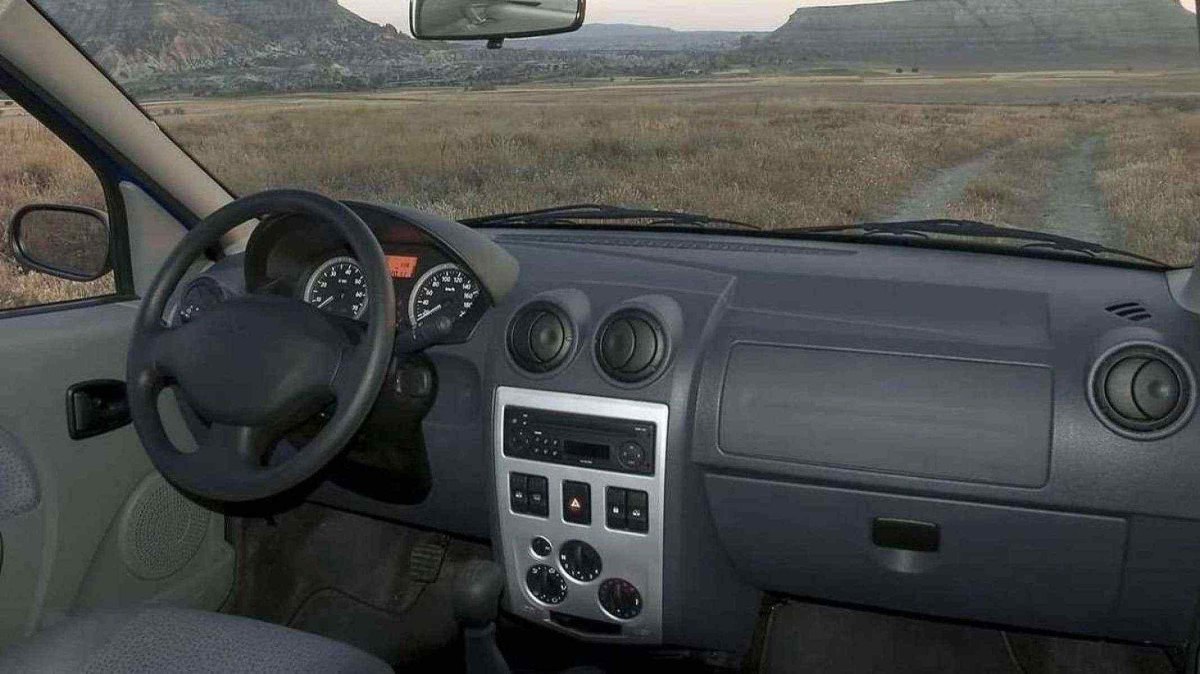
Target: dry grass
{"type": "Point", "coordinates": [780, 152]}
{"type": "Point", "coordinates": [1013, 188]}
{"type": "Point", "coordinates": [1149, 179]}
{"type": "Point", "coordinates": [776, 161]}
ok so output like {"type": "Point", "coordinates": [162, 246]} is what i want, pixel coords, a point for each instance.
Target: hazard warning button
{"type": "Point", "coordinates": [577, 502]}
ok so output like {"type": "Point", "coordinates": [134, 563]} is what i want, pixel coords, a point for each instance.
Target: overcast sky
{"type": "Point", "coordinates": [681, 14]}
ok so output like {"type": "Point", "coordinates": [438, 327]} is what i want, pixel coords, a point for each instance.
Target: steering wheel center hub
{"type": "Point", "coordinates": [256, 359]}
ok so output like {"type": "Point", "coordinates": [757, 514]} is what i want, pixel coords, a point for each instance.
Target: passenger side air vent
{"type": "Point", "coordinates": [1130, 311]}
{"type": "Point", "coordinates": [1142, 391]}
{"type": "Point", "coordinates": [631, 346]}
{"type": "Point", "coordinates": [540, 337]}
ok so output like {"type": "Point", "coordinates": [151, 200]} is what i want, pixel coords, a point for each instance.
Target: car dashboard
{"type": "Point", "coordinates": [655, 431]}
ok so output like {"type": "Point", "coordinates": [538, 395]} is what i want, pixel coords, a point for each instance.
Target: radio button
{"type": "Point", "coordinates": [518, 492]}
{"type": "Point", "coordinates": [577, 502]}
{"type": "Point", "coordinates": [631, 455]}
{"type": "Point", "coordinates": [639, 511]}
{"type": "Point", "coordinates": [615, 510]}
{"type": "Point", "coordinates": [539, 496]}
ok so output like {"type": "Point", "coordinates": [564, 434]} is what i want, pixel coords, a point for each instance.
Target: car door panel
{"type": "Point", "coordinates": [73, 535]}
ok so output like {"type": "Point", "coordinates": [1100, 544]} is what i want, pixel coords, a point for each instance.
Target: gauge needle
{"type": "Point", "coordinates": [428, 312]}
{"type": "Point", "coordinates": [324, 304]}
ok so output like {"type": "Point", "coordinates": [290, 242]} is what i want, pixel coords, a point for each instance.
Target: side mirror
{"type": "Point", "coordinates": [493, 20]}
{"type": "Point", "coordinates": [69, 242]}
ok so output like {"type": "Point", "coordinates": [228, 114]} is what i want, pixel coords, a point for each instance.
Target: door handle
{"type": "Point", "coordinates": [96, 407]}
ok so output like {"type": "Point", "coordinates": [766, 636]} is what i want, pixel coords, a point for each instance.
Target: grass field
{"type": "Point", "coordinates": [1105, 156]}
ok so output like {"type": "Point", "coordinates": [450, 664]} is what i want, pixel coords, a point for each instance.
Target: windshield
{"type": "Point", "coordinates": [1076, 118]}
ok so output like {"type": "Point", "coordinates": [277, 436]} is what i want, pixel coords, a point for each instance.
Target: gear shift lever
{"type": "Point", "coordinates": [477, 591]}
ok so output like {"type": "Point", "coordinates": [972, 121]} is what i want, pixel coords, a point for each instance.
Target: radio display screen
{"type": "Point", "coordinates": [586, 450]}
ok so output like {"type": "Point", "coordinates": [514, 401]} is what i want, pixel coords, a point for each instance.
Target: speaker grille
{"type": "Point", "coordinates": [160, 530]}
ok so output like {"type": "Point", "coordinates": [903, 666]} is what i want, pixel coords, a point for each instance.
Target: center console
{"type": "Point", "coordinates": [579, 492]}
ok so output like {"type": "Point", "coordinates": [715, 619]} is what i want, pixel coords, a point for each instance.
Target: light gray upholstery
{"type": "Point", "coordinates": [164, 640]}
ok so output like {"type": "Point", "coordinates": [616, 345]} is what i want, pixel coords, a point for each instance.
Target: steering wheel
{"type": "Point", "coordinates": [255, 366]}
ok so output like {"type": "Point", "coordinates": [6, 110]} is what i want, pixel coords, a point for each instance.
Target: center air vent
{"type": "Point", "coordinates": [1142, 391]}
{"type": "Point", "coordinates": [540, 337]}
{"type": "Point", "coordinates": [631, 346]}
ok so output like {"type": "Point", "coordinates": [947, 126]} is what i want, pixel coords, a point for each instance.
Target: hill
{"type": "Point", "coordinates": [238, 45]}
{"type": "Point", "coordinates": [987, 34]}
{"type": "Point", "coordinates": [633, 37]}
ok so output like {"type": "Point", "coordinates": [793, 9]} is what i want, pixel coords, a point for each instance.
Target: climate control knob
{"type": "Point", "coordinates": [546, 584]}
{"type": "Point", "coordinates": [580, 561]}
{"type": "Point", "coordinates": [620, 598]}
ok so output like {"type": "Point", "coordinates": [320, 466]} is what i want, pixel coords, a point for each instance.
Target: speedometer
{"type": "Point", "coordinates": [339, 287]}
{"type": "Point", "coordinates": [444, 290]}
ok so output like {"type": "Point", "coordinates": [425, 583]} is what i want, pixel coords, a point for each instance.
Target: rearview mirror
{"type": "Point", "coordinates": [493, 19]}
{"type": "Point", "coordinates": [69, 242]}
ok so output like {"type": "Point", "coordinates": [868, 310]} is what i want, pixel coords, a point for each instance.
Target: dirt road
{"type": "Point", "coordinates": [1068, 203]}
{"type": "Point", "coordinates": [1074, 205]}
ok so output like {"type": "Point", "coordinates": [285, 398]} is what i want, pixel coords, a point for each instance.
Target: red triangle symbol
{"type": "Point", "coordinates": [575, 504]}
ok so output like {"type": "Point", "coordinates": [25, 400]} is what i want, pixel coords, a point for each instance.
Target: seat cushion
{"type": "Point", "coordinates": [180, 640]}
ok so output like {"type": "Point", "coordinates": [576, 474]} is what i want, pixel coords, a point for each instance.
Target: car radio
{"type": "Point", "coordinates": [601, 443]}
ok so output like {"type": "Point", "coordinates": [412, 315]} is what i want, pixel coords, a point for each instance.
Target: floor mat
{"type": "Point", "coordinates": [817, 638]}
{"type": "Point", "coordinates": [350, 578]}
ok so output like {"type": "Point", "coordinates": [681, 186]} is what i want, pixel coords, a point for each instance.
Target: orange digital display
{"type": "Point", "coordinates": [402, 266]}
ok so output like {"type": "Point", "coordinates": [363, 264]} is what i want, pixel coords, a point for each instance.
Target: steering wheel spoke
{"type": "Point", "coordinates": [247, 445]}
{"type": "Point", "coordinates": [347, 380]}
{"type": "Point", "coordinates": [149, 363]}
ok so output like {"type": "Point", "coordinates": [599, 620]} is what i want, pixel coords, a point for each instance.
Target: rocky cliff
{"type": "Point", "coordinates": [988, 34]}
{"type": "Point", "coordinates": [238, 45]}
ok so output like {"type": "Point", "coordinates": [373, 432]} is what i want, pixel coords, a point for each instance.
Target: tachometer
{"type": "Point", "coordinates": [444, 290]}
{"type": "Point", "coordinates": [339, 287]}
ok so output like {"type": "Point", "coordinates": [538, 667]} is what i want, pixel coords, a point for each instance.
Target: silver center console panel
{"type": "Point", "coordinates": [573, 561]}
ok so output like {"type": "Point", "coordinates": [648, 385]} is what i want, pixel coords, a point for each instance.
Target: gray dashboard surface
{"type": "Point", "coordinates": [1047, 517]}
{"type": "Point", "coordinates": [976, 421]}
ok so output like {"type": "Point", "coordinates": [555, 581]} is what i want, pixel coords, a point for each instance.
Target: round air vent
{"type": "Point", "coordinates": [631, 346]}
{"type": "Point", "coordinates": [540, 337]}
{"type": "Point", "coordinates": [1142, 391]}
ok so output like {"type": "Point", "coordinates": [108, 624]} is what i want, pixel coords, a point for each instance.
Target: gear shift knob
{"type": "Point", "coordinates": [477, 591]}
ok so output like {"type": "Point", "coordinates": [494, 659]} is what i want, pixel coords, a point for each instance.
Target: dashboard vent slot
{"type": "Point", "coordinates": [540, 337]}
{"type": "Point", "coordinates": [1142, 391]}
{"type": "Point", "coordinates": [631, 346]}
{"type": "Point", "coordinates": [1130, 311]}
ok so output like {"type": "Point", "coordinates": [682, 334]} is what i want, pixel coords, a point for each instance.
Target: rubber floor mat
{"type": "Point", "coordinates": [347, 576]}
{"type": "Point", "coordinates": [816, 638]}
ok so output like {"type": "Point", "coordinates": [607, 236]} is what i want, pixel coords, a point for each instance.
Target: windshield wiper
{"type": "Point", "coordinates": [973, 230]}
{"type": "Point", "coordinates": [582, 215]}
